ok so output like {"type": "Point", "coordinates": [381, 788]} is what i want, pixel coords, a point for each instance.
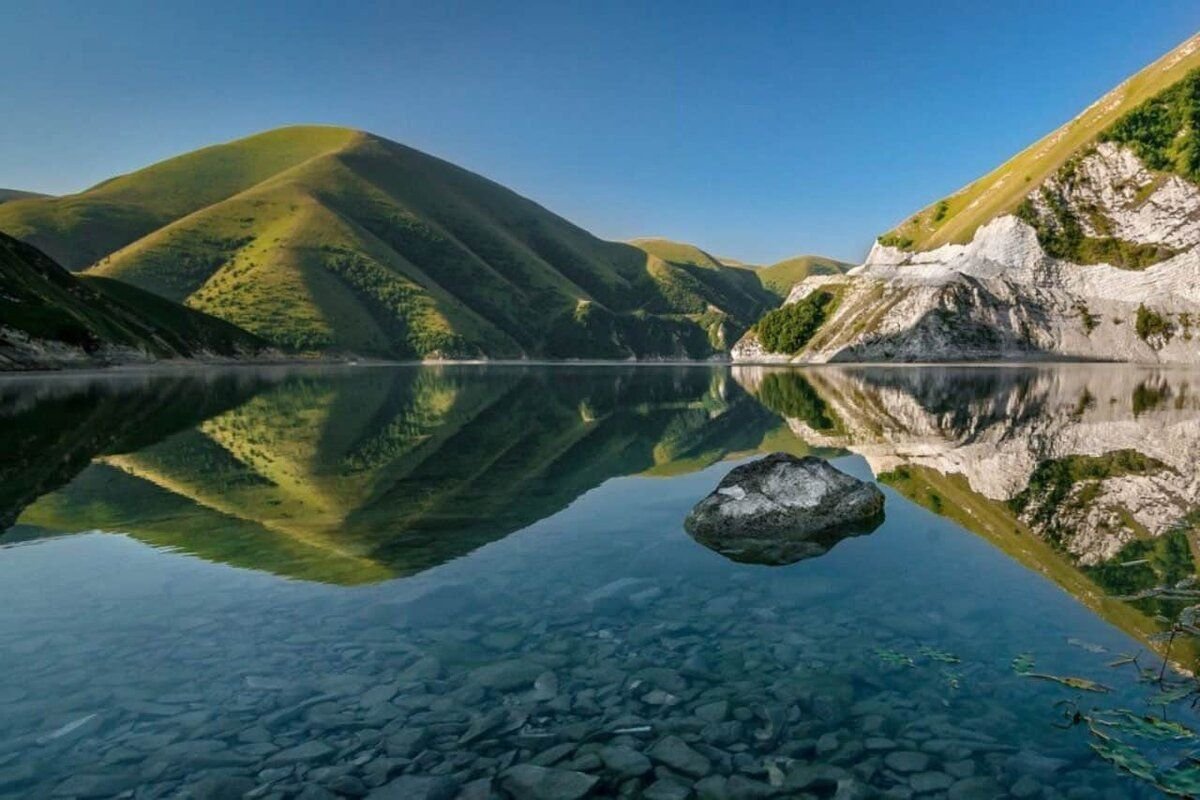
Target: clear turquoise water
{"type": "Point", "coordinates": [313, 583]}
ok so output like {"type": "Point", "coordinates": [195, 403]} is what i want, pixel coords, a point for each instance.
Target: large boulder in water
{"type": "Point", "coordinates": [781, 509]}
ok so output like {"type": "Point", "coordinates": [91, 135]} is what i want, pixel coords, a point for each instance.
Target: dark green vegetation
{"type": "Point", "coordinates": [1059, 486]}
{"type": "Point", "coordinates": [1165, 130]}
{"type": "Point", "coordinates": [790, 395]}
{"type": "Point", "coordinates": [788, 329]}
{"type": "Point", "coordinates": [358, 475]}
{"type": "Point", "coordinates": [1062, 236]}
{"type": "Point", "coordinates": [1152, 325]}
{"type": "Point", "coordinates": [1163, 561]}
{"type": "Point", "coordinates": [324, 239]}
{"type": "Point", "coordinates": [48, 316]}
{"type": "Point", "coordinates": [51, 431]}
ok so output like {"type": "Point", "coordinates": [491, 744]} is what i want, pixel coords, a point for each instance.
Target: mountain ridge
{"type": "Point", "coordinates": [338, 240]}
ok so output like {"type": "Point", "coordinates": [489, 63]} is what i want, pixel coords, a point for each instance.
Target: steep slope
{"type": "Point", "coordinates": [322, 239]}
{"type": "Point", "coordinates": [50, 318]}
{"type": "Point", "coordinates": [77, 230]}
{"type": "Point", "coordinates": [1085, 246]}
{"type": "Point", "coordinates": [780, 277]}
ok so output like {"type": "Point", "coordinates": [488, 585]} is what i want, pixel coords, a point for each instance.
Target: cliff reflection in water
{"type": "Point", "coordinates": [1085, 473]}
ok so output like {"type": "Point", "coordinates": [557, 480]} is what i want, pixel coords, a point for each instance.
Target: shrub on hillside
{"type": "Point", "coordinates": [788, 329]}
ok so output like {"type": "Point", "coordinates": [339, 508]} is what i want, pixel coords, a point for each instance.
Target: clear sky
{"type": "Point", "coordinates": [755, 129]}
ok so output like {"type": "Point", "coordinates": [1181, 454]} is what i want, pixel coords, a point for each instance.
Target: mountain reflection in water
{"type": "Point", "coordinates": [348, 476]}
{"type": "Point", "coordinates": [360, 575]}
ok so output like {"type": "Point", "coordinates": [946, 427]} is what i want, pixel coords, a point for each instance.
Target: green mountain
{"type": "Point", "coordinates": [678, 252]}
{"type": "Point", "coordinates": [955, 219]}
{"type": "Point", "coordinates": [49, 317]}
{"type": "Point", "coordinates": [780, 277]}
{"type": "Point", "coordinates": [8, 195]}
{"type": "Point", "coordinates": [326, 239]}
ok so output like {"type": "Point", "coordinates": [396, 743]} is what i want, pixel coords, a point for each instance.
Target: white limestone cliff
{"type": "Point", "coordinates": [1001, 296]}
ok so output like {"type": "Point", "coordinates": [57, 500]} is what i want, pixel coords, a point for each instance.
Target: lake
{"type": "Point", "coordinates": [473, 581]}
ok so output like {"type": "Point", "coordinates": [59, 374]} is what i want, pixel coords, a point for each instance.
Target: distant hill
{"type": "Point", "coordinates": [679, 252]}
{"type": "Point", "coordinates": [776, 278]}
{"type": "Point", "coordinates": [7, 195]}
{"type": "Point", "coordinates": [779, 278]}
{"type": "Point", "coordinates": [324, 239]}
{"type": "Point", "coordinates": [49, 318]}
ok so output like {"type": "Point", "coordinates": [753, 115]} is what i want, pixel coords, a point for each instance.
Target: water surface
{"type": "Point", "coordinates": [314, 582]}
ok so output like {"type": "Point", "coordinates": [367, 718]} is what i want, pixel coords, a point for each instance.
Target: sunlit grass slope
{"type": "Point", "coordinates": [323, 239]}
{"type": "Point", "coordinates": [77, 230]}
{"type": "Point", "coordinates": [779, 278]}
{"type": "Point", "coordinates": [955, 218]}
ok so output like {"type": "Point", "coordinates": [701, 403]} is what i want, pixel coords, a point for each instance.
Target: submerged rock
{"type": "Point", "coordinates": [782, 509]}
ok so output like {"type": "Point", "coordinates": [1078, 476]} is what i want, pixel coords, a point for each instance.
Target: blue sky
{"type": "Point", "coordinates": [755, 129]}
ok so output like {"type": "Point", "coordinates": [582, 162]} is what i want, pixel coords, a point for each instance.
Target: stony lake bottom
{"type": "Point", "coordinates": [439, 582]}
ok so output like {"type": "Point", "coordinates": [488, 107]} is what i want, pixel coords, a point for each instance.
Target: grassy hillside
{"type": "Point", "coordinates": [44, 306]}
{"type": "Point", "coordinates": [955, 218]}
{"type": "Point", "coordinates": [8, 195]}
{"type": "Point", "coordinates": [677, 252]}
{"type": "Point", "coordinates": [324, 239]}
{"type": "Point", "coordinates": [777, 279]}
{"type": "Point", "coordinates": [781, 277]}
{"type": "Point", "coordinates": [77, 230]}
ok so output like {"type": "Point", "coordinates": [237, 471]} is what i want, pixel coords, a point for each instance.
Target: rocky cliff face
{"type": "Point", "coordinates": [1098, 260]}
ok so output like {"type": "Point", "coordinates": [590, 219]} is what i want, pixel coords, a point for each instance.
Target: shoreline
{"type": "Point", "coordinates": [186, 365]}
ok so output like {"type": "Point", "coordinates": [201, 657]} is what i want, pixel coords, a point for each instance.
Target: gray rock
{"type": "Point", "coordinates": [625, 761]}
{"type": "Point", "coordinates": [219, 787]}
{"type": "Point", "coordinates": [1025, 786]}
{"type": "Point", "coordinates": [407, 743]}
{"type": "Point", "coordinates": [483, 725]}
{"type": "Point", "coordinates": [739, 787]}
{"type": "Point", "coordinates": [306, 753]}
{"type": "Point", "coordinates": [679, 755]}
{"type": "Point", "coordinates": [506, 676]}
{"type": "Point", "coordinates": [907, 761]}
{"type": "Point", "coordinates": [417, 787]}
{"type": "Point", "coordinates": [930, 782]}
{"type": "Point", "coordinates": [781, 509]}
{"type": "Point", "coordinates": [713, 712]}
{"type": "Point", "coordinates": [95, 785]}
{"type": "Point", "coordinates": [545, 687]}
{"type": "Point", "coordinates": [546, 783]}
{"type": "Point", "coordinates": [667, 789]}
{"type": "Point", "coordinates": [975, 789]}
